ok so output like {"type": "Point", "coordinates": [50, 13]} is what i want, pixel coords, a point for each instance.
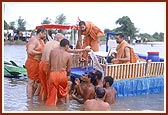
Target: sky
{"type": "Point", "coordinates": [148, 17]}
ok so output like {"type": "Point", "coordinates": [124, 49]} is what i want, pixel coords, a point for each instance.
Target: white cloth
{"type": "Point", "coordinates": [96, 64]}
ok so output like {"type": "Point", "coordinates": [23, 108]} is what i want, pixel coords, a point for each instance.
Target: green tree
{"type": "Point", "coordinates": [106, 30]}
{"type": "Point", "coordinates": [161, 38]}
{"type": "Point", "coordinates": [46, 21]}
{"type": "Point", "coordinates": [126, 27]}
{"type": "Point", "coordinates": [145, 37]}
{"type": "Point", "coordinates": [12, 25]}
{"type": "Point", "coordinates": [21, 24]}
{"type": "Point", "coordinates": [6, 26]}
{"type": "Point", "coordinates": [156, 36]}
{"type": "Point", "coordinates": [60, 19]}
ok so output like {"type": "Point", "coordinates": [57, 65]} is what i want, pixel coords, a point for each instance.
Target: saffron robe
{"type": "Point", "coordinates": [121, 52]}
{"type": "Point", "coordinates": [57, 87]}
{"type": "Point", "coordinates": [43, 76]}
{"type": "Point", "coordinates": [32, 65]}
{"type": "Point", "coordinates": [91, 37]}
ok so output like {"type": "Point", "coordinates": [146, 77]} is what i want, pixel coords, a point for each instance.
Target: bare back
{"type": "Point", "coordinates": [47, 49]}
{"type": "Point", "coordinates": [96, 105]}
{"type": "Point", "coordinates": [60, 60]}
{"type": "Point", "coordinates": [110, 95]}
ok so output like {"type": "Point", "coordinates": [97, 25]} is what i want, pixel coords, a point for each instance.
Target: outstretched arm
{"type": "Point", "coordinates": [79, 50]}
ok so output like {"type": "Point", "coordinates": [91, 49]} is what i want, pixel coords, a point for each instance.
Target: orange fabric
{"type": "Point", "coordinates": [40, 48]}
{"type": "Point", "coordinates": [32, 67]}
{"type": "Point", "coordinates": [43, 76]}
{"type": "Point", "coordinates": [120, 52]}
{"type": "Point", "coordinates": [91, 37]}
{"type": "Point", "coordinates": [29, 55]}
{"type": "Point", "coordinates": [57, 88]}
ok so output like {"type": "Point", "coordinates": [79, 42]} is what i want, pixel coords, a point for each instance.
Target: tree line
{"type": "Point", "coordinates": [126, 26]}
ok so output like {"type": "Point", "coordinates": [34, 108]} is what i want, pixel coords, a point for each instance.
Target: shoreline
{"type": "Point", "coordinates": [15, 42]}
{"type": "Point", "coordinates": [19, 42]}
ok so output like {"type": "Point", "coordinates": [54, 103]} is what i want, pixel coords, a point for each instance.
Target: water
{"type": "Point", "coordinates": [17, 53]}
{"type": "Point", "coordinates": [143, 49]}
{"type": "Point", "coordinates": [15, 99]}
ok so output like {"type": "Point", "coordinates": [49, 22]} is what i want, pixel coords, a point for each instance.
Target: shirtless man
{"type": "Point", "coordinates": [98, 75]}
{"type": "Point", "coordinates": [60, 62]}
{"type": "Point", "coordinates": [89, 91]}
{"type": "Point", "coordinates": [97, 104]}
{"type": "Point", "coordinates": [44, 68]}
{"type": "Point", "coordinates": [110, 90]}
{"type": "Point", "coordinates": [34, 50]}
{"type": "Point", "coordinates": [83, 86]}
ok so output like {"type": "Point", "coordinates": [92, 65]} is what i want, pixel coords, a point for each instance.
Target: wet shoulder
{"type": "Point", "coordinates": [54, 50]}
{"type": "Point", "coordinates": [52, 42]}
{"type": "Point", "coordinates": [90, 101]}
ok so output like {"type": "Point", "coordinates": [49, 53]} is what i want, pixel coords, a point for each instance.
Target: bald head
{"type": "Point", "coordinates": [58, 37]}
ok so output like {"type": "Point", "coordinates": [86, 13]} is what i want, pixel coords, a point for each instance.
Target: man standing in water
{"type": "Point", "coordinates": [60, 62]}
{"type": "Point", "coordinates": [110, 90]}
{"type": "Point", "coordinates": [34, 50]}
{"type": "Point", "coordinates": [97, 104]}
{"type": "Point", "coordinates": [87, 92]}
{"type": "Point", "coordinates": [92, 36]}
{"type": "Point", "coordinates": [44, 67]}
{"type": "Point", "coordinates": [98, 78]}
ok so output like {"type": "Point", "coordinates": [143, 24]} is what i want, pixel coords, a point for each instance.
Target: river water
{"type": "Point", "coordinates": [15, 99]}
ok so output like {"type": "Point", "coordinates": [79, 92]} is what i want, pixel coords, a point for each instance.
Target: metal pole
{"type": "Point", "coordinates": [107, 38]}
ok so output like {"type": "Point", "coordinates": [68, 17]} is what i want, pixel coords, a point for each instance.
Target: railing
{"type": "Point", "coordinates": [134, 70]}
{"type": "Point", "coordinates": [155, 68]}
{"type": "Point", "coordinates": [127, 71]}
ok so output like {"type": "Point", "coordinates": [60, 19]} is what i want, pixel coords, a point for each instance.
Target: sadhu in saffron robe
{"type": "Point", "coordinates": [121, 54]}
{"type": "Point", "coordinates": [32, 67]}
{"type": "Point", "coordinates": [91, 37]}
{"type": "Point", "coordinates": [44, 72]}
{"type": "Point", "coordinates": [57, 87]}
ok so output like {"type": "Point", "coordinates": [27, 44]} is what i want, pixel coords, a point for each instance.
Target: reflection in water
{"type": "Point", "coordinates": [15, 98]}
{"type": "Point", "coordinates": [35, 105]}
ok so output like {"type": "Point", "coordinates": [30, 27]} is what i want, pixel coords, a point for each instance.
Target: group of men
{"type": "Point", "coordinates": [48, 64]}
{"type": "Point", "coordinates": [44, 62]}
{"type": "Point", "coordinates": [92, 35]}
{"type": "Point", "coordinates": [94, 91]}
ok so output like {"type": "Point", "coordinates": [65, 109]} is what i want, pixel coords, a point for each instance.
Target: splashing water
{"type": "Point", "coordinates": [96, 64]}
